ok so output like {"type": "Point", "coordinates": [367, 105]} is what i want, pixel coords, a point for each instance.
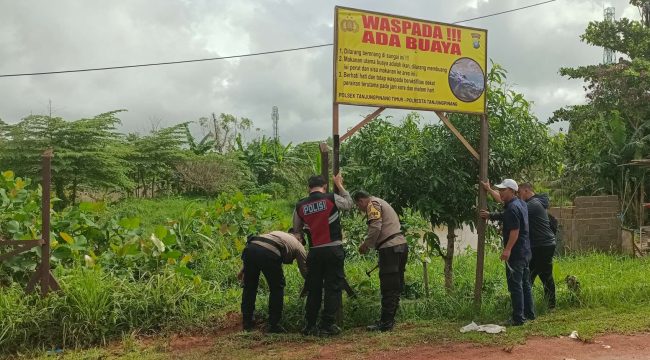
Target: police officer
{"type": "Point", "coordinates": [385, 236]}
{"type": "Point", "coordinates": [319, 212]}
{"type": "Point", "coordinates": [266, 253]}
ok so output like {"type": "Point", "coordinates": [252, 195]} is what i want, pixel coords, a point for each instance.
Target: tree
{"type": "Point", "coordinates": [427, 169]}
{"type": "Point", "coordinates": [153, 159]}
{"type": "Point", "coordinates": [87, 152]}
{"type": "Point", "coordinates": [618, 110]}
{"type": "Point", "coordinates": [275, 164]}
{"type": "Point", "coordinates": [212, 174]}
{"type": "Point", "coordinates": [198, 148]}
{"type": "Point", "coordinates": [225, 130]}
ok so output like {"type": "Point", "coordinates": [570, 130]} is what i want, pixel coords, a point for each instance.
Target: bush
{"type": "Point", "coordinates": [214, 174]}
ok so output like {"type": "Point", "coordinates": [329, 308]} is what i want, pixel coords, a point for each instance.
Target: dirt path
{"type": "Point", "coordinates": [621, 347]}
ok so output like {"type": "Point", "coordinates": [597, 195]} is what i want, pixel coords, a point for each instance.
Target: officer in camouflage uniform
{"type": "Point", "coordinates": [385, 236]}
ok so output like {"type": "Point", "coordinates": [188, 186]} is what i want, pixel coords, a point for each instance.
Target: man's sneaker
{"type": "Point", "coordinates": [381, 326]}
{"type": "Point", "coordinates": [276, 329]}
{"type": "Point", "coordinates": [248, 326]}
{"type": "Point", "coordinates": [330, 330]}
{"type": "Point", "coordinates": [310, 330]}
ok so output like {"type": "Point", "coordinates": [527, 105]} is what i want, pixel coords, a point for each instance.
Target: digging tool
{"type": "Point", "coordinates": [368, 272]}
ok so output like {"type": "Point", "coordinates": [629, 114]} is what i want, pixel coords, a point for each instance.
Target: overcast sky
{"type": "Point", "coordinates": [47, 35]}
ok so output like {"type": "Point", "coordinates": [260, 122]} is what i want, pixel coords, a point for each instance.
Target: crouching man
{"type": "Point", "coordinates": [266, 253]}
{"type": "Point", "coordinates": [385, 236]}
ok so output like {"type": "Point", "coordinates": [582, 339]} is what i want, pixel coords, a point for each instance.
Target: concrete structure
{"type": "Point", "coordinates": [590, 224]}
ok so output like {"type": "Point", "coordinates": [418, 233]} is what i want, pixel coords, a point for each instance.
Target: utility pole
{"type": "Point", "coordinates": [608, 54]}
{"type": "Point", "coordinates": [275, 116]}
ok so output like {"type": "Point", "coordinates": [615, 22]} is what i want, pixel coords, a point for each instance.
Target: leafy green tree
{"type": "Point", "coordinates": [153, 159]}
{"type": "Point", "coordinates": [88, 152]}
{"type": "Point", "coordinates": [613, 128]}
{"type": "Point", "coordinates": [424, 167]}
{"type": "Point", "coordinates": [275, 164]}
{"type": "Point", "coordinates": [204, 146]}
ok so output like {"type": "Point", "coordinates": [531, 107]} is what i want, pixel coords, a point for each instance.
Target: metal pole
{"type": "Point", "coordinates": [45, 232]}
{"type": "Point", "coordinates": [482, 204]}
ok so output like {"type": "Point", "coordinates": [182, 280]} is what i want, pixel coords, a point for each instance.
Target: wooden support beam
{"type": "Point", "coordinates": [457, 133]}
{"type": "Point", "coordinates": [325, 162]}
{"type": "Point", "coordinates": [481, 224]}
{"type": "Point", "coordinates": [46, 275]}
{"type": "Point", "coordinates": [336, 141]}
{"type": "Point", "coordinates": [52, 284]}
{"type": "Point", "coordinates": [17, 251]}
{"type": "Point", "coordinates": [368, 119]}
{"type": "Point", "coordinates": [20, 242]}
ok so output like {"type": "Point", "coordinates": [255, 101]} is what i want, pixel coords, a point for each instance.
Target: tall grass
{"type": "Point", "coordinates": [95, 306]}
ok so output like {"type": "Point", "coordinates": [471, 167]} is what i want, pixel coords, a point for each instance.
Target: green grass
{"type": "Point", "coordinates": [97, 307]}
{"type": "Point", "coordinates": [588, 322]}
{"type": "Point", "coordinates": [158, 211]}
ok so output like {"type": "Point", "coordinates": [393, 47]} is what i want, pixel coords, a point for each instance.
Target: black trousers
{"type": "Point", "coordinates": [541, 264]}
{"type": "Point", "coordinates": [259, 259]}
{"type": "Point", "coordinates": [325, 266]}
{"type": "Point", "coordinates": [392, 263]}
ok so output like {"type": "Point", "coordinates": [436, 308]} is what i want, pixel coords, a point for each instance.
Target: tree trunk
{"type": "Point", "coordinates": [449, 258]}
{"type": "Point", "coordinates": [144, 188]}
{"type": "Point", "coordinates": [74, 191]}
{"type": "Point", "coordinates": [59, 189]}
{"type": "Point", "coordinates": [425, 271]}
{"type": "Point", "coordinates": [425, 277]}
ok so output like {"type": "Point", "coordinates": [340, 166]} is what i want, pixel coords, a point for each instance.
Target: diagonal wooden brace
{"type": "Point", "coordinates": [51, 284]}
{"type": "Point", "coordinates": [368, 119]}
{"type": "Point", "coordinates": [20, 242]}
{"type": "Point", "coordinates": [457, 133]}
{"type": "Point", "coordinates": [17, 251]}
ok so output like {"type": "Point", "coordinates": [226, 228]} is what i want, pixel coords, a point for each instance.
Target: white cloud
{"type": "Point", "coordinates": [37, 36]}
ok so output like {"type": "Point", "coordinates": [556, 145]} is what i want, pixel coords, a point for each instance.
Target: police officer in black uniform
{"type": "Point", "coordinates": [319, 212]}
{"type": "Point", "coordinates": [265, 254]}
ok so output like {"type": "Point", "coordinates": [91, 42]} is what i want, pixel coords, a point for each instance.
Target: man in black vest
{"type": "Point", "coordinates": [265, 254]}
{"type": "Point", "coordinates": [319, 212]}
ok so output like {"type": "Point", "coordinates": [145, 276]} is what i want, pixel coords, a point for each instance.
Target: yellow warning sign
{"type": "Point", "coordinates": [391, 61]}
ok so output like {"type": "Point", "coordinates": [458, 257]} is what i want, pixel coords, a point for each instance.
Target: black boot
{"type": "Point", "coordinates": [310, 330]}
{"type": "Point", "coordinates": [330, 330]}
{"type": "Point", "coordinates": [276, 329]}
{"type": "Point", "coordinates": [248, 325]}
{"type": "Point", "coordinates": [248, 322]}
{"type": "Point", "coordinates": [381, 326]}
